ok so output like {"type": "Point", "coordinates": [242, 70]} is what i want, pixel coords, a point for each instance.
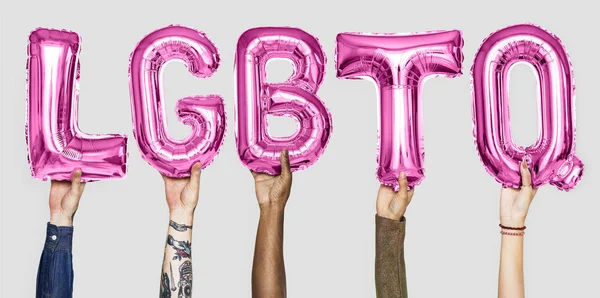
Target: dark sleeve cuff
{"type": "Point", "coordinates": [58, 238]}
{"type": "Point", "coordinates": [385, 224]}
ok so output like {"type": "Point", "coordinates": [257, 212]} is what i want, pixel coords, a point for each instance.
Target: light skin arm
{"type": "Point", "coordinates": [56, 257]}
{"type": "Point", "coordinates": [64, 199]}
{"type": "Point", "coordinates": [268, 269]}
{"type": "Point", "coordinates": [514, 205]}
{"type": "Point", "coordinates": [182, 197]}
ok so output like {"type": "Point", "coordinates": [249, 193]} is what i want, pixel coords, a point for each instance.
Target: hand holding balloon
{"type": "Point", "coordinates": [183, 193]}
{"type": "Point", "coordinates": [64, 199]}
{"type": "Point", "coordinates": [392, 204]}
{"type": "Point", "coordinates": [274, 190]}
{"type": "Point", "coordinates": [515, 202]}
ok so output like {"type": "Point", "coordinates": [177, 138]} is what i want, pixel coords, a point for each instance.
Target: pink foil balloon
{"type": "Point", "coordinates": [552, 158]}
{"type": "Point", "coordinates": [399, 65]}
{"type": "Point", "coordinates": [205, 114]}
{"type": "Point", "coordinates": [295, 98]}
{"type": "Point", "coordinates": [56, 145]}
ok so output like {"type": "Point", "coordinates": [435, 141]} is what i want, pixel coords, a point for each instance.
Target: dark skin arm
{"type": "Point", "coordinates": [268, 269]}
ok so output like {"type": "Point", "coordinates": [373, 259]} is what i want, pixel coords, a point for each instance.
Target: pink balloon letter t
{"type": "Point", "coordinates": [399, 65]}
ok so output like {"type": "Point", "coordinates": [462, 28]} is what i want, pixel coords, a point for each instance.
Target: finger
{"type": "Point", "coordinates": [403, 185]}
{"type": "Point", "coordinates": [76, 184]}
{"type": "Point", "coordinates": [195, 175]}
{"type": "Point", "coordinates": [525, 175]}
{"type": "Point", "coordinates": [254, 174]}
{"type": "Point", "coordinates": [284, 159]}
{"type": "Point", "coordinates": [410, 195]}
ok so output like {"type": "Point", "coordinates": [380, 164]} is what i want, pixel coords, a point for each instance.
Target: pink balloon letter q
{"type": "Point", "coordinates": [552, 158]}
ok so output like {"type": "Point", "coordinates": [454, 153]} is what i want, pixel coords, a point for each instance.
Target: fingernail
{"type": "Point", "coordinates": [402, 175]}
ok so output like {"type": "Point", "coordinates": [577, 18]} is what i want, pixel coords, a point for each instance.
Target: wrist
{"type": "Point", "coordinates": [512, 222]}
{"type": "Point", "coordinates": [61, 220]}
{"type": "Point", "coordinates": [272, 208]}
{"type": "Point", "coordinates": [182, 216]}
{"type": "Point", "coordinates": [390, 213]}
{"type": "Point", "coordinates": [389, 216]}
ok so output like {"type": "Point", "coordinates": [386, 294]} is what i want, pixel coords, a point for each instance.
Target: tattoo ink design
{"type": "Point", "coordinates": [185, 280]}
{"type": "Point", "coordinates": [183, 249]}
{"type": "Point", "coordinates": [179, 227]}
{"type": "Point", "coordinates": [165, 287]}
{"type": "Point", "coordinates": [174, 288]}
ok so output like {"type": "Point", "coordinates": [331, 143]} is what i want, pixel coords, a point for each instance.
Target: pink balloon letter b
{"type": "Point", "coordinates": [56, 146]}
{"type": "Point", "coordinates": [399, 65]}
{"type": "Point", "coordinates": [294, 98]}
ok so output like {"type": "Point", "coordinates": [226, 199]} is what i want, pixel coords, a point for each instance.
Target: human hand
{"type": "Point", "coordinates": [514, 202]}
{"type": "Point", "coordinates": [274, 190]}
{"type": "Point", "coordinates": [391, 204]}
{"type": "Point", "coordinates": [182, 193]}
{"type": "Point", "coordinates": [64, 199]}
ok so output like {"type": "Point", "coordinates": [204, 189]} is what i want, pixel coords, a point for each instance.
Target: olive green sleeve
{"type": "Point", "coordinates": [390, 270]}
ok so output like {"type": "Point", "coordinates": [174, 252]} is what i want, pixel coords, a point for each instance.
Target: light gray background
{"type": "Point", "coordinates": [452, 244]}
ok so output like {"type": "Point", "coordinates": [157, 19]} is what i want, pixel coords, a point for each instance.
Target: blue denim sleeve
{"type": "Point", "coordinates": [55, 272]}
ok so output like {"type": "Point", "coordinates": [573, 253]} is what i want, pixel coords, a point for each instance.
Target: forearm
{"type": "Point", "coordinates": [55, 271]}
{"type": "Point", "coordinates": [268, 271]}
{"type": "Point", "coordinates": [176, 274]}
{"type": "Point", "coordinates": [511, 281]}
{"type": "Point", "coordinates": [390, 271]}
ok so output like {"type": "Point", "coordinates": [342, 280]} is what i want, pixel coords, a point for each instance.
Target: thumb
{"type": "Point", "coordinates": [403, 185]}
{"type": "Point", "coordinates": [76, 184]}
{"type": "Point", "coordinates": [525, 175]}
{"type": "Point", "coordinates": [284, 159]}
{"type": "Point", "coordinates": [195, 176]}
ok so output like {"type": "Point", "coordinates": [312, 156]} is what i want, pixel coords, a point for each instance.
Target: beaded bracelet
{"type": "Point", "coordinates": [512, 234]}
{"type": "Point", "coordinates": [513, 228]}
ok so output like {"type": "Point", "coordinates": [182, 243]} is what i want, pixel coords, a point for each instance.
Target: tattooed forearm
{"type": "Point", "coordinates": [165, 286]}
{"type": "Point", "coordinates": [183, 249]}
{"type": "Point", "coordinates": [174, 288]}
{"type": "Point", "coordinates": [179, 227]}
{"type": "Point", "coordinates": [185, 280]}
